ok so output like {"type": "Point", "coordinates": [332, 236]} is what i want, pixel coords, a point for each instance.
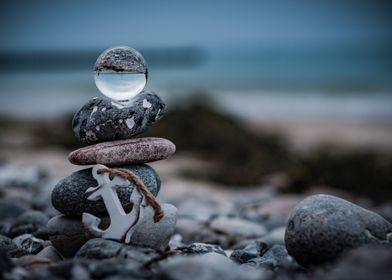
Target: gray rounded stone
{"type": "Point", "coordinates": [156, 235]}
{"type": "Point", "coordinates": [274, 258]}
{"type": "Point", "coordinates": [102, 120]}
{"type": "Point", "coordinates": [322, 227]}
{"type": "Point", "coordinates": [251, 251]}
{"type": "Point", "coordinates": [123, 152]}
{"type": "Point", "coordinates": [201, 249]}
{"type": "Point", "coordinates": [99, 249]}
{"type": "Point", "coordinates": [29, 243]}
{"type": "Point", "coordinates": [68, 195]}
{"type": "Point", "coordinates": [67, 234]}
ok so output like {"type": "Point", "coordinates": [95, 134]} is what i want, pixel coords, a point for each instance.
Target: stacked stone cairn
{"type": "Point", "coordinates": [114, 199]}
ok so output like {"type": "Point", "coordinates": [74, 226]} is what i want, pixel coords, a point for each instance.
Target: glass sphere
{"type": "Point", "coordinates": [120, 73]}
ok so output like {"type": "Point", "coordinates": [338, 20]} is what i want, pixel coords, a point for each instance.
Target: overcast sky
{"type": "Point", "coordinates": [51, 25]}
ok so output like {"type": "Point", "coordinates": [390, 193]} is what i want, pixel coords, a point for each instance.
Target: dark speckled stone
{"type": "Point", "coordinates": [103, 120]}
{"type": "Point", "coordinates": [321, 227]}
{"type": "Point", "coordinates": [68, 195]}
{"type": "Point", "coordinates": [123, 152]}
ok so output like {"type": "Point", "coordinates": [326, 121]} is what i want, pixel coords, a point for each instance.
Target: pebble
{"type": "Point", "coordinates": [275, 257]}
{"type": "Point", "coordinates": [29, 243]}
{"type": "Point", "coordinates": [124, 152]}
{"type": "Point", "coordinates": [251, 251]}
{"type": "Point", "coordinates": [68, 196]}
{"type": "Point", "coordinates": [6, 244]}
{"type": "Point", "coordinates": [210, 266]}
{"type": "Point", "coordinates": [102, 120]}
{"type": "Point", "coordinates": [237, 228]}
{"type": "Point", "coordinates": [67, 234]}
{"type": "Point", "coordinates": [201, 249]}
{"type": "Point", "coordinates": [322, 227]}
{"type": "Point", "coordinates": [98, 248]}
{"type": "Point", "coordinates": [156, 235]}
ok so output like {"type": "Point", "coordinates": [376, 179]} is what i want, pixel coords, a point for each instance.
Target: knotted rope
{"type": "Point", "coordinates": [133, 178]}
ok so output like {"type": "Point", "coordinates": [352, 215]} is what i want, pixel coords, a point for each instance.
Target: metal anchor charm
{"type": "Point", "coordinates": [121, 224]}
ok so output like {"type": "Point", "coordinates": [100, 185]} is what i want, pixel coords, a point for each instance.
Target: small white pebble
{"type": "Point", "coordinates": [146, 104]}
{"type": "Point", "coordinates": [130, 122]}
{"type": "Point", "coordinates": [103, 109]}
{"type": "Point", "coordinates": [95, 108]}
{"type": "Point", "coordinates": [97, 128]}
{"type": "Point", "coordinates": [157, 115]}
{"type": "Point", "coordinates": [120, 121]}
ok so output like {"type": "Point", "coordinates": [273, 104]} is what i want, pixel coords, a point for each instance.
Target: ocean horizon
{"type": "Point", "coordinates": [251, 82]}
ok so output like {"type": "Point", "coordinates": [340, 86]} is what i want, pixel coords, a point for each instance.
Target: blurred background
{"type": "Point", "coordinates": [293, 94]}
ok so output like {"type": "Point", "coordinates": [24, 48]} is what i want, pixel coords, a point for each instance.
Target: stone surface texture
{"type": "Point", "coordinates": [322, 227]}
{"type": "Point", "coordinates": [124, 152]}
{"type": "Point", "coordinates": [156, 235]}
{"type": "Point", "coordinates": [68, 234]}
{"type": "Point", "coordinates": [102, 120]}
{"type": "Point", "coordinates": [68, 196]}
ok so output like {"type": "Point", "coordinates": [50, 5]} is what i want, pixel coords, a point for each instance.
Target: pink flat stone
{"type": "Point", "coordinates": [124, 152]}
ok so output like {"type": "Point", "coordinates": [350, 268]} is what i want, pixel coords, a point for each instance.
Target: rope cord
{"type": "Point", "coordinates": [133, 178]}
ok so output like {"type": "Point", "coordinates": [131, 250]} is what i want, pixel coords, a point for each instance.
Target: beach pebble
{"type": "Point", "coordinates": [6, 244]}
{"type": "Point", "coordinates": [103, 120]}
{"type": "Point", "coordinates": [321, 227]}
{"type": "Point", "coordinates": [251, 251]}
{"type": "Point", "coordinates": [68, 234]}
{"type": "Point", "coordinates": [98, 248]}
{"type": "Point", "coordinates": [156, 235]}
{"type": "Point", "coordinates": [29, 243]}
{"type": "Point", "coordinates": [275, 257]}
{"type": "Point", "coordinates": [68, 196]}
{"type": "Point", "coordinates": [201, 249]}
{"type": "Point", "coordinates": [124, 152]}
{"type": "Point", "coordinates": [237, 228]}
